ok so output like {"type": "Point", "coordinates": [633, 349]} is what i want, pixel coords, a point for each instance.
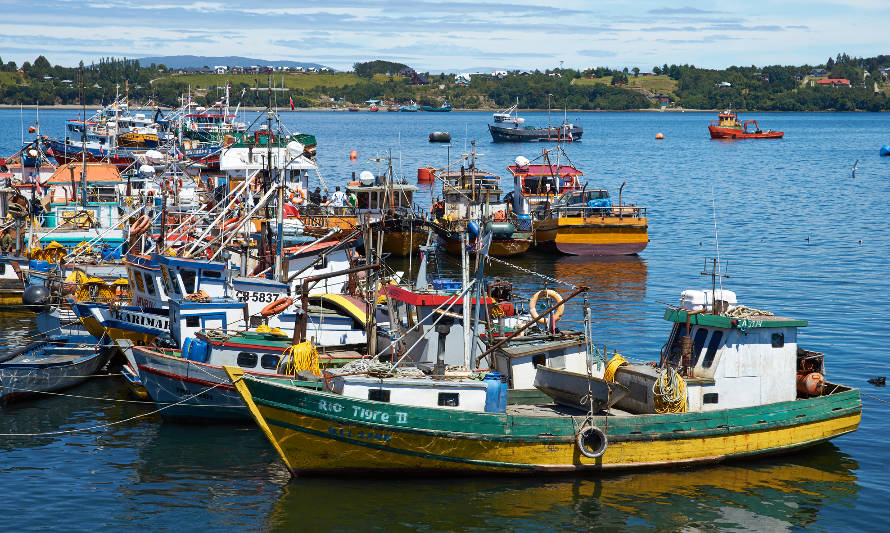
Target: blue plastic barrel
{"type": "Point", "coordinates": [473, 228]}
{"type": "Point", "coordinates": [885, 150]}
{"type": "Point", "coordinates": [195, 350]}
{"type": "Point", "coordinates": [495, 392]}
{"type": "Point", "coordinates": [38, 266]}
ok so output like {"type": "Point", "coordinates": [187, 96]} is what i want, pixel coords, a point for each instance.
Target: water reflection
{"type": "Point", "coordinates": [765, 495]}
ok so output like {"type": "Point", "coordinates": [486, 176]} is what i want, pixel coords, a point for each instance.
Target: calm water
{"type": "Point", "coordinates": [802, 238]}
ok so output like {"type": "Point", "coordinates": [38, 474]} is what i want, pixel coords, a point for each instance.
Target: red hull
{"type": "Point", "coordinates": [732, 133]}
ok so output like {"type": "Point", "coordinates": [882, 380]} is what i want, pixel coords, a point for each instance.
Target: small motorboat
{"type": "Point", "coordinates": [574, 389]}
{"type": "Point", "coordinates": [56, 363]}
{"type": "Point", "coordinates": [728, 126]}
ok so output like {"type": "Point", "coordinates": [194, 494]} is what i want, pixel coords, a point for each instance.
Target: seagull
{"type": "Point", "coordinates": [856, 164]}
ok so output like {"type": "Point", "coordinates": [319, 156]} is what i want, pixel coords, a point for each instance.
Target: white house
{"type": "Point", "coordinates": [221, 69]}
{"type": "Point", "coordinates": [499, 74]}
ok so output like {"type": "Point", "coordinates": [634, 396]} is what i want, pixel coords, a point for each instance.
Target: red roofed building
{"type": "Point", "coordinates": [834, 82]}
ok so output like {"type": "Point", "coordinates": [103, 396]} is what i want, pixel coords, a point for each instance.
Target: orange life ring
{"type": "Point", "coordinates": [550, 293]}
{"type": "Point", "coordinates": [140, 226]}
{"type": "Point", "coordinates": [298, 196]}
{"type": "Point", "coordinates": [232, 223]}
{"type": "Point", "coordinates": [277, 306]}
{"type": "Point", "coordinates": [354, 183]}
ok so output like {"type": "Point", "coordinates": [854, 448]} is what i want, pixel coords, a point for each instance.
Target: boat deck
{"type": "Point", "coordinates": [551, 409]}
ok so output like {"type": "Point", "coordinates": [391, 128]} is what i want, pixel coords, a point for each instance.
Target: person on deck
{"type": "Point", "coordinates": [6, 242]}
{"type": "Point", "coordinates": [315, 196]}
{"type": "Point", "coordinates": [338, 201]}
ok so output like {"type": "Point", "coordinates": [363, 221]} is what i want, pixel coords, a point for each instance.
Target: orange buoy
{"type": "Point", "coordinates": [31, 129]}
{"type": "Point", "coordinates": [353, 155]}
{"type": "Point", "coordinates": [426, 174]}
{"type": "Point", "coordinates": [659, 136]}
{"type": "Point", "coordinates": [810, 384]}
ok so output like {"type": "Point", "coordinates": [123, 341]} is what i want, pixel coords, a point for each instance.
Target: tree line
{"type": "Point", "coordinates": [774, 87]}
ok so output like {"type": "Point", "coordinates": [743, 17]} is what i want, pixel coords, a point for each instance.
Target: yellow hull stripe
{"type": "Point", "coordinates": [309, 443]}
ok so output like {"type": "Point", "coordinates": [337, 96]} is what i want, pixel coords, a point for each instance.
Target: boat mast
{"type": "Point", "coordinates": [83, 145]}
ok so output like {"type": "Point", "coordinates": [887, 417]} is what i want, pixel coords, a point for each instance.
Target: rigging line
{"type": "Point", "coordinates": [101, 426]}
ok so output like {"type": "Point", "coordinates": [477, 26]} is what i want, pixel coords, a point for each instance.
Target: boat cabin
{"type": "Point", "coordinates": [727, 119]}
{"type": "Point", "coordinates": [542, 183]}
{"type": "Point", "coordinates": [730, 358]}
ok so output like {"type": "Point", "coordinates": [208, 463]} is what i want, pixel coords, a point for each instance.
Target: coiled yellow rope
{"type": "Point", "coordinates": [303, 356]}
{"type": "Point", "coordinates": [670, 392]}
{"type": "Point", "coordinates": [615, 362]}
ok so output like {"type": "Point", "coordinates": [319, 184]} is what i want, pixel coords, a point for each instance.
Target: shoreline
{"type": "Point", "coordinates": [92, 109]}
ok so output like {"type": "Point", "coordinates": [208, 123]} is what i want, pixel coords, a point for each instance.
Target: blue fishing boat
{"type": "Point", "coordinates": [410, 108]}
{"type": "Point", "coordinates": [444, 108]}
{"type": "Point", "coordinates": [48, 365]}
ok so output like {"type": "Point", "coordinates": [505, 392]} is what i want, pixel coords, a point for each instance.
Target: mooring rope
{"type": "Point", "coordinates": [101, 426]}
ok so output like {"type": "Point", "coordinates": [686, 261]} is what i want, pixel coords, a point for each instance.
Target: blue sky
{"type": "Point", "coordinates": [446, 35]}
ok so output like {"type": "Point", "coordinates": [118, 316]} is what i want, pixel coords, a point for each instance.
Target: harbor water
{"type": "Point", "coordinates": [797, 231]}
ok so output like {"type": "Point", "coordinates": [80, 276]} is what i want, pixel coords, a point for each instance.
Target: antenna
{"type": "Point", "coordinates": [714, 274]}
{"type": "Point", "coordinates": [716, 237]}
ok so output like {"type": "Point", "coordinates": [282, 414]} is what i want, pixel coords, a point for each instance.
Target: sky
{"type": "Point", "coordinates": [451, 35]}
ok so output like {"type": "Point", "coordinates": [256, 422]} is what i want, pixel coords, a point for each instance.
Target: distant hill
{"type": "Point", "coordinates": [229, 61]}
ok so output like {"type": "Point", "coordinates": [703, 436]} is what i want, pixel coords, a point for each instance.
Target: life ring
{"type": "Point", "coordinates": [230, 224]}
{"type": "Point", "coordinates": [557, 313]}
{"type": "Point", "coordinates": [277, 306]}
{"type": "Point", "coordinates": [592, 442]}
{"type": "Point", "coordinates": [140, 226]}
{"type": "Point", "coordinates": [298, 196]}
{"type": "Point", "coordinates": [354, 183]}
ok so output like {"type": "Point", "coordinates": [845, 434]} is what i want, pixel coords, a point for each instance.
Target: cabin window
{"type": "Point", "coordinates": [378, 395]}
{"type": "Point", "coordinates": [778, 340]}
{"type": "Point", "coordinates": [137, 277]}
{"type": "Point", "coordinates": [188, 280]}
{"type": "Point", "coordinates": [539, 360]}
{"type": "Point", "coordinates": [269, 361]}
{"type": "Point", "coordinates": [211, 273]}
{"type": "Point", "coordinates": [321, 264]}
{"type": "Point", "coordinates": [698, 343]}
{"type": "Point", "coordinates": [193, 322]}
{"type": "Point", "coordinates": [449, 399]}
{"type": "Point", "coordinates": [710, 397]}
{"type": "Point", "coordinates": [247, 359]}
{"type": "Point", "coordinates": [713, 346]}
{"type": "Point", "coordinates": [150, 285]}
{"type": "Point", "coordinates": [168, 281]}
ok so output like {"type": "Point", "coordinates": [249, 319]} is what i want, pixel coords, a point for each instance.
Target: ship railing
{"type": "Point", "coordinates": [619, 211]}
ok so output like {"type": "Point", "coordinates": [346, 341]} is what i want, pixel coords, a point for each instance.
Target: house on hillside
{"type": "Point", "coordinates": [238, 70]}
{"type": "Point", "coordinates": [499, 74]}
{"type": "Point", "coordinates": [723, 84]}
{"type": "Point", "coordinates": [833, 82]}
{"type": "Point", "coordinates": [414, 77]}
{"type": "Point", "coordinates": [221, 69]}
{"type": "Point", "coordinates": [818, 72]}
{"type": "Point", "coordinates": [462, 80]}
